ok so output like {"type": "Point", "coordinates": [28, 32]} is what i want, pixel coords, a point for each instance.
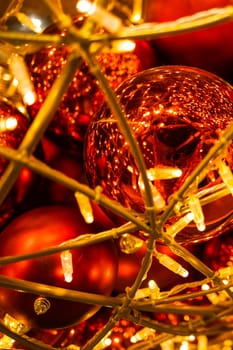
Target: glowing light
{"type": "Point", "coordinates": [205, 287]}
{"type": "Point", "coordinates": [37, 24]}
{"type": "Point", "coordinates": [179, 225]}
{"type": "Point", "coordinates": [29, 97]}
{"type": "Point", "coordinates": [163, 173]}
{"type": "Point", "coordinates": [123, 46]}
{"type": "Point", "coordinates": [84, 6]}
{"type": "Point", "coordinates": [67, 265]}
{"type": "Point", "coordinates": [202, 342]}
{"type": "Point", "coordinates": [34, 24]}
{"type": "Point", "coordinates": [154, 290]}
{"type": "Point", "coordinates": [159, 202]}
{"type": "Point", "coordinates": [142, 334]}
{"type": "Point", "coordinates": [101, 16]}
{"type": "Point", "coordinates": [85, 207]}
{"type": "Point", "coordinates": [196, 210]}
{"type": "Point", "coordinates": [14, 325]}
{"type": "Point", "coordinates": [19, 70]}
{"type": "Point", "coordinates": [136, 16]}
{"type": "Point", "coordinates": [172, 265]}
{"type": "Point", "coordinates": [8, 124]}
{"type": "Point", "coordinates": [184, 345]}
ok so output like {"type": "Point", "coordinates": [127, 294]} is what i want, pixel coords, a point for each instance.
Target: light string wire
{"type": "Point", "coordinates": [81, 45]}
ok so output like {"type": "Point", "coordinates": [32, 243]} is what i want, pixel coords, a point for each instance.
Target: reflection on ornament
{"type": "Point", "coordinates": [84, 97]}
{"type": "Point", "coordinates": [218, 254]}
{"type": "Point", "coordinates": [67, 265]}
{"type": "Point", "coordinates": [176, 114]}
{"type": "Point", "coordinates": [162, 275]}
{"type": "Point", "coordinates": [13, 127]}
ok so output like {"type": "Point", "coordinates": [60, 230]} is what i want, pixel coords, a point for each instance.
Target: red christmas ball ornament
{"type": "Point", "coordinates": [14, 124]}
{"type": "Point", "coordinates": [94, 266]}
{"type": "Point", "coordinates": [218, 252]}
{"type": "Point", "coordinates": [66, 162]}
{"type": "Point", "coordinates": [208, 49]}
{"type": "Point", "coordinates": [129, 266]}
{"type": "Point", "coordinates": [84, 96]}
{"type": "Point", "coordinates": [176, 114]}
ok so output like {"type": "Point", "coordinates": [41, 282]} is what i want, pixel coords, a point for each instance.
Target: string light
{"type": "Point", "coordinates": [142, 334]}
{"type": "Point", "coordinates": [196, 209]}
{"type": "Point", "coordinates": [171, 264]}
{"type": "Point", "coordinates": [159, 202]}
{"type": "Point", "coordinates": [106, 19]}
{"type": "Point", "coordinates": [84, 207]}
{"type": "Point", "coordinates": [179, 225]}
{"type": "Point", "coordinates": [163, 173]}
{"type": "Point", "coordinates": [67, 265]}
{"type": "Point", "coordinates": [153, 291]}
{"type": "Point", "coordinates": [8, 124]}
{"type": "Point", "coordinates": [10, 322]}
{"type": "Point", "coordinates": [19, 70]}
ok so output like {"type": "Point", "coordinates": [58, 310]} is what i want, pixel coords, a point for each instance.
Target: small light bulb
{"type": "Point", "coordinates": [20, 72]}
{"type": "Point", "coordinates": [196, 209]}
{"type": "Point", "coordinates": [67, 265]}
{"type": "Point", "coordinates": [163, 173]}
{"type": "Point", "coordinates": [101, 16]}
{"type": "Point", "coordinates": [171, 264]}
{"type": "Point", "coordinates": [8, 124]}
{"type": "Point", "coordinates": [179, 225]}
{"type": "Point", "coordinates": [142, 334]}
{"type": "Point", "coordinates": [84, 6]}
{"type": "Point", "coordinates": [84, 207]}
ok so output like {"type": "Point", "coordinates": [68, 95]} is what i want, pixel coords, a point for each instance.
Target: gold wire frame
{"type": "Point", "coordinates": [124, 306]}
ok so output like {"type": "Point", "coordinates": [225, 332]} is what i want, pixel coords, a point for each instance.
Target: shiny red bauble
{"type": "Point", "coordinates": [176, 114]}
{"type": "Point", "coordinates": [218, 252]}
{"type": "Point", "coordinates": [208, 49]}
{"type": "Point", "coordinates": [129, 266]}
{"type": "Point", "coordinates": [14, 124]}
{"type": "Point", "coordinates": [94, 266]}
{"type": "Point", "coordinates": [84, 96]}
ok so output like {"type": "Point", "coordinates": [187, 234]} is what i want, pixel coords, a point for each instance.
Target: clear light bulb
{"type": "Point", "coordinates": [67, 265]}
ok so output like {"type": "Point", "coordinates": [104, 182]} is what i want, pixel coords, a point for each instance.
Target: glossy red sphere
{"type": "Point", "coordinates": [94, 266]}
{"type": "Point", "coordinates": [13, 126]}
{"type": "Point", "coordinates": [176, 114]}
{"type": "Point", "coordinates": [208, 49]}
{"type": "Point", "coordinates": [84, 96]}
{"type": "Point", "coordinates": [129, 266]}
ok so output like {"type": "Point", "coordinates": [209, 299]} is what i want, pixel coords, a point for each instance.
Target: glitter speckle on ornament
{"type": "Point", "coordinates": [84, 96]}
{"type": "Point", "coordinates": [176, 114]}
{"type": "Point", "coordinates": [14, 124]}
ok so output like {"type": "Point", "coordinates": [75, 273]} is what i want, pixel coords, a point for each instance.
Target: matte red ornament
{"type": "Point", "coordinates": [84, 96]}
{"type": "Point", "coordinates": [94, 266]}
{"type": "Point", "coordinates": [176, 114]}
{"type": "Point", "coordinates": [204, 48]}
{"type": "Point", "coordinates": [13, 127]}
